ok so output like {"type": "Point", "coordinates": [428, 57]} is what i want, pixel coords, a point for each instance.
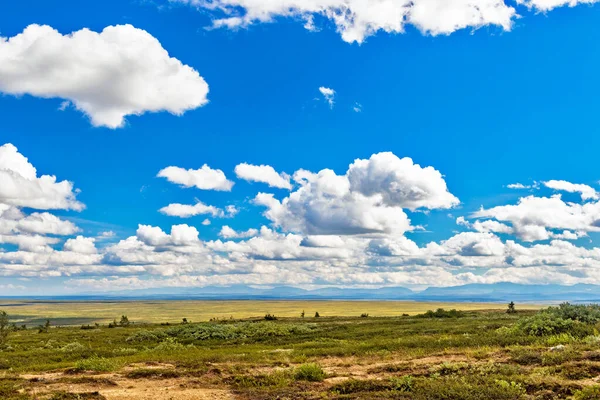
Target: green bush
{"type": "Point", "coordinates": [548, 324]}
{"type": "Point", "coordinates": [74, 347]}
{"type": "Point", "coordinates": [4, 328]}
{"type": "Point", "coordinates": [96, 364]}
{"type": "Point", "coordinates": [441, 313]}
{"type": "Point", "coordinates": [275, 379]}
{"type": "Point", "coordinates": [401, 384]}
{"type": "Point", "coordinates": [589, 393]}
{"type": "Point", "coordinates": [588, 314]}
{"type": "Point", "coordinates": [240, 330]}
{"type": "Point", "coordinates": [309, 372]}
{"type": "Point", "coordinates": [146, 336]}
{"type": "Point", "coordinates": [526, 356]}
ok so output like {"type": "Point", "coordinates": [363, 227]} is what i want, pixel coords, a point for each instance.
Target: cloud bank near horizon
{"type": "Point", "coordinates": [320, 228]}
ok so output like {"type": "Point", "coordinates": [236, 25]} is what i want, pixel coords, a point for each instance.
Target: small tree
{"type": "Point", "coordinates": [302, 314]}
{"type": "Point", "coordinates": [4, 328]}
{"type": "Point", "coordinates": [317, 315]}
{"type": "Point", "coordinates": [511, 308]}
{"type": "Point", "coordinates": [124, 320]}
{"type": "Point", "coordinates": [184, 321]}
{"type": "Point", "coordinates": [44, 328]}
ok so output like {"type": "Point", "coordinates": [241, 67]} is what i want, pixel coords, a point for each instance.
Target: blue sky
{"type": "Point", "coordinates": [486, 106]}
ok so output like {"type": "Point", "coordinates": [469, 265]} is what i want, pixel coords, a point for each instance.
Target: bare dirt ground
{"type": "Point", "coordinates": [115, 386]}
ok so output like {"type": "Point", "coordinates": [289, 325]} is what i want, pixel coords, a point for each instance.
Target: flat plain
{"type": "Point", "coordinates": [259, 353]}
{"type": "Point", "coordinates": [89, 312]}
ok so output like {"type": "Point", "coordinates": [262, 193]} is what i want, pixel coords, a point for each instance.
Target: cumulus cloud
{"type": "Point", "coordinates": [328, 94]}
{"type": "Point", "coordinates": [538, 218]}
{"type": "Point", "coordinates": [181, 235]}
{"type": "Point", "coordinates": [204, 178]}
{"type": "Point", "coordinates": [109, 75]}
{"type": "Point", "coordinates": [81, 245]}
{"type": "Point", "coordinates": [355, 20]}
{"type": "Point", "coordinates": [330, 229]}
{"type": "Point", "coordinates": [20, 186]}
{"type": "Point", "coordinates": [186, 211]}
{"type": "Point", "coordinates": [264, 174]}
{"type": "Point", "coordinates": [547, 5]}
{"type": "Point", "coordinates": [369, 198]}
{"type": "Point", "coordinates": [586, 192]}
{"type": "Point", "coordinates": [229, 233]}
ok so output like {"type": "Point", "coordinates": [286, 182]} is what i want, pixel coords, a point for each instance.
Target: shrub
{"type": "Point", "coordinates": [317, 315]}
{"type": "Point", "coordinates": [4, 328]}
{"type": "Point", "coordinates": [153, 374]}
{"type": "Point", "coordinates": [441, 313]}
{"type": "Point", "coordinates": [44, 328]}
{"type": "Point", "coordinates": [74, 347]}
{"type": "Point", "coordinates": [169, 345]}
{"type": "Point", "coordinates": [276, 379]}
{"type": "Point", "coordinates": [588, 314]}
{"type": "Point", "coordinates": [402, 384]}
{"type": "Point", "coordinates": [526, 357]}
{"type": "Point", "coordinates": [364, 315]}
{"type": "Point", "coordinates": [96, 364]}
{"type": "Point", "coordinates": [241, 330]}
{"type": "Point", "coordinates": [511, 308]}
{"type": "Point", "coordinates": [588, 393]}
{"type": "Point", "coordinates": [270, 317]}
{"type": "Point", "coordinates": [547, 324]}
{"type": "Point", "coordinates": [309, 372]}
{"type": "Point", "coordinates": [124, 321]}
{"type": "Point", "coordinates": [146, 336]}
{"type": "Point", "coordinates": [449, 368]}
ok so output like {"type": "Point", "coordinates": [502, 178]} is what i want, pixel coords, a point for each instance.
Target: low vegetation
{"type": "Point", "coordinates": [443, 354]}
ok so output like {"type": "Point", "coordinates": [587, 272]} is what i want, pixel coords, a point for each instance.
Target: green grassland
{"type": "Point", "coordinates": [442, 355]}
{"type": "Point", "coordinates": [80, 312]}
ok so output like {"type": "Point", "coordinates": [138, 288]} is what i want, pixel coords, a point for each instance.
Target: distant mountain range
{"type": "Point", "coordinates": [500, 292]}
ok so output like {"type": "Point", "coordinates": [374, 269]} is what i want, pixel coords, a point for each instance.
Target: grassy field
{"type": "Point", "coordinates": [443, 355]}
{"type": "Point", "coordinates": [77, 313]}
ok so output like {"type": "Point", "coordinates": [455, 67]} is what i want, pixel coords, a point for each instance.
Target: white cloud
{"type": "Point", "coordinates": [547, 5]}
{"type": "Point", "coordinates": [357, 108]}
{"type": "Point", "coordinates": [229, 233]}
{"type": "Point", "coordinates": [400, 182]}
{"type": "Point", "coordinates": [485, 226]}
{"type": "Point", "coordinates": [328, 94]}
{"type": "Point", "coordinates": [204, 178]}
{"type": "Point", "coordinates": [20, 186]}
{"type": "Point", "coordinates": [518, 186]}
{"type": "Point", "coordinates": [263, 173]}
{"type": "Point", "coordinates": [369, 198]}
{"type": "Point", "coordinates": [181, 235]}
{"type": "Point", "coordinates": [206, 222]}
{"type": "Point", "coordinates": [81, 245]}
{"type": "Point", "coordinates": [109, 75]}
{"type": "Point", "coordinates": [106, 235]}
{"type": "Point", "coordinates": [586, 192]}
{"type": "Point", "coordinates": [537, 218]}
{"type": "Point", "coordinates": [355, 20]}
{"type": "Point", "coordinates": [332, 229]}
{"type": "Point", "coordinates": [186, 211]}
